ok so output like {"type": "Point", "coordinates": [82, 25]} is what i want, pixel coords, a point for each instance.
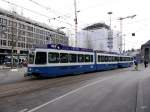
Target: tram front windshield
{"type": "Point", "coordinates": [41, 58]}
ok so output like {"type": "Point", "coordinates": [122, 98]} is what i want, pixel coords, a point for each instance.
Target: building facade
{"type": "Point", "coordinates": [99, 37]}
{"type": "Point", "coordinates": [145, 51]}
{"type": "Point", "coordinates": [24, 34]}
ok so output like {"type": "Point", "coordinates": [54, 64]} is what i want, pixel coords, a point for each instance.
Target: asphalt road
{"type": "Point", "coordinates": [114, 94]}
{"type": "Point", "coordinates": [7, 76]}
{"type": "Point", "coordinates": [110, 91]}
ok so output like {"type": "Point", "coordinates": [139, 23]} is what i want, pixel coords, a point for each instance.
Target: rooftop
{"type": "Point", "coordinates": [97, 26]}
{"type": "Point", "coordinates": [27, 20]}
{"type": "Point", "coordinates": [146, 44]}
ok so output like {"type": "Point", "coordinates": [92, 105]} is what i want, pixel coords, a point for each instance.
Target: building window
{"type": "Point", "coordinates": [4, 22]}
{"type": "Point", "coordinates": [9, 43]}
{"type": "Point", "coordinates": [14, 24]}
{"type": "Point", "coordinates": [10, 23]}
{"type": "Point", "coordinates": [4, 42]}
{"type": "Point", "coordinates": [14, 31]}
{"type": "Point", "coordinates": [9, 36]}
{"type": "Point", "coordinates": [4, 35]}
{"type": "Point", "coordinates": [0, 42]}
{"type": "Point", "coordinates": [19, 44]}
{"type": "Point", "coordinates": [0, 20]}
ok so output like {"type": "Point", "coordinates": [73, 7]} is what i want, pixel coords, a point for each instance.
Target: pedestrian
{"type": "Point", "coordinates": [136, 64]}
{"type": "Point", "coordinates": [145, 63]}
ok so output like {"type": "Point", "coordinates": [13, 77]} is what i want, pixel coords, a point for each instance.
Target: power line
{"type": "Point", "coordinates": [34, 11]}
{"type": "Point", "coordinates": [61, 16]}
{"type": "Point", "coordinates": [41, 14]}
{"type": "Point", "coordinates": [47, 8]}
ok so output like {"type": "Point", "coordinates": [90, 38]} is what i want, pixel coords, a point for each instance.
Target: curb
{"type": "Point", "coordinates": [140, 101]}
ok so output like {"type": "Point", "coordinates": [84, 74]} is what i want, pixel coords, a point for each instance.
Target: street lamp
{"type": "Point", "coordinates": [12, 39]}
{"type": "Point", "coordinates": [110, 13]}
{"type": "Point", "coordinates": [110, 36]}
{"type": "Point", "coordinates": [121, 29]}
{"type": "Point", "coordinates": [76, 21]}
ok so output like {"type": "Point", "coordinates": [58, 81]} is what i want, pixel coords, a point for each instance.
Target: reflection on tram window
{"type": "Point", "coordinates": [72, 58]}
{"type": "Point", "coordinates": [80, 58]}
{"type": "Point", "coordinates": [87, 58]}
{"type": "Point", "coordinates": [63, 58]}
{"type": "Point", "coordinates": [53, 57]}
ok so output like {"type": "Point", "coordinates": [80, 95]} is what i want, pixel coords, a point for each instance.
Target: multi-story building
{"type": "Point", "coordinates": [24, 34]}
{"type": "Point", "coordinates": [145, 51]}
{"type": "Point", "coordinates": [99, 37]}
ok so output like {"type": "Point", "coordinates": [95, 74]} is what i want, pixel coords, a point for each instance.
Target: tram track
{"type": "Point", "coordinates": [122, 88]}
{"type": "Point", "coordinates": [34, 85]}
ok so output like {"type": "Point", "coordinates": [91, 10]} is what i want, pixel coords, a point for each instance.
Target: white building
{"type": "Point", "coordinates": [23, 34]}
{"type": "Point", "coordinates": [99, 37]}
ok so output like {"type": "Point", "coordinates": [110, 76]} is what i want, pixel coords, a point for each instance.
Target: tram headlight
{"type": "Point", "coordinates": [29, 69]}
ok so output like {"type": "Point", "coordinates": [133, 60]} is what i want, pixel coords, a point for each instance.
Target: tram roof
{"type": "Point", "coordinates": [64, 47]}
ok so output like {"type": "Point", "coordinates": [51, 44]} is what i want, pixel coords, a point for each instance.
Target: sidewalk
{"type": "Point", "coordinates": [2, 67]}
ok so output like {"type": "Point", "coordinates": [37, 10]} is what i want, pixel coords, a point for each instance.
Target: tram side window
{"type": "Point", "coordinates": [72, 58]}
{"type": "Point", "coordinates": [63, 58]}
{"type": "Point", "coordinates": [41, 58]}
{"type": "Point", "coordinates": [53, 57]}
{"type": "Point", "coordinates": [113, 58]}
{"type": "Point", "coordinates": [116, 58]}
{"type": "Point", "coordinates": [80, 58]}
{"type": "Point", "coordinates": [124, 58]}
{"type": "Point", "coordinates": [106, 58]}
{"type": "Point", "coordinates": [109, 58]}
{"type": "Point", "coordinates": [128, 58]}
{"type": "Point", "coordinates": [102, 58]}
{"type": "Point", "coordinates": [99, 58]}
{"type": "Point", "coordinates": [87, 58]}
{"type": "Point", "coordinates": [121, 58]}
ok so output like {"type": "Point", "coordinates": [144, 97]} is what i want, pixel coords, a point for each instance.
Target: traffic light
{"type": "Point", "coordinates": [133, 34]}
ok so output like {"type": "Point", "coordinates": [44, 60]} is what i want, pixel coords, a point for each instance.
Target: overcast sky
{"type": "Point", "coordinates": [91, 11]}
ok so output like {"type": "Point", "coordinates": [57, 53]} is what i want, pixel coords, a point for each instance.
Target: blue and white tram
{"type": "Point", "coordinates": [105, 61]}
{"type": "Point", "coordinates": [54, 62]}
{"type": "Point", "coordinates": [125, 61]}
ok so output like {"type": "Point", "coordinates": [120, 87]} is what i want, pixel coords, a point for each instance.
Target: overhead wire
{"type": "Point", "coordinates": [35, 12]}
{"type": "Point", "coordinates": [44, 14]}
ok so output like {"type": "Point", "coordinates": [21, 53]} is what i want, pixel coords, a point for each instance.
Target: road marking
{"type": "Point", "coordinates": [14, 70]}
{"type": "Point", "coordinates": [71, 92]}
{"type": "Point", "coordinates": [23, 110]}
{"type": "Point", "coordinates": [143, 107]}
